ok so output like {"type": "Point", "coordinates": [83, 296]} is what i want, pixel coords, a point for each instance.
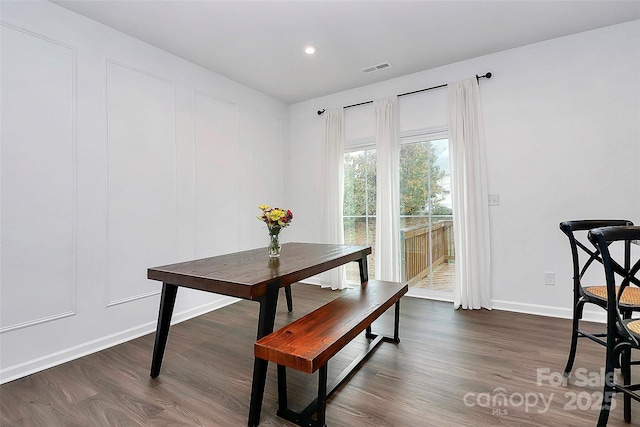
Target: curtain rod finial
{"type": "Point", "coordinates": [486, 76]}
{"type": "Point", "coordinates": [321, 112]}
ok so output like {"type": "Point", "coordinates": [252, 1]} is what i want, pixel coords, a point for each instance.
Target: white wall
{"type": "Point", "coordinates": [562, 124]}
{"type": "Point", "coordinates": [107, 144]}
{"type": "Point", "coordinates": [116, 157]}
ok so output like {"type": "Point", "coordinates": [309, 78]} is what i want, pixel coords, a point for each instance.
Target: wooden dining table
{"type": "Point", "coordinates": [254, 276]}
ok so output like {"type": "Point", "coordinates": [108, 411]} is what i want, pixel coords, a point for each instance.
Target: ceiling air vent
{"type": "Point", "coordinates": [376, 67]}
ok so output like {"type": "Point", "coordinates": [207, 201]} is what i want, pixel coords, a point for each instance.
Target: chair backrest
{"type": "Point", "coordinates": [620, 266]}
{"type": "Point", "coordinates": [579, 244]}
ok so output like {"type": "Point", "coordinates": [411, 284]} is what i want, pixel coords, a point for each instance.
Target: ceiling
{"type": "Point", "coordinates": [260, 43]}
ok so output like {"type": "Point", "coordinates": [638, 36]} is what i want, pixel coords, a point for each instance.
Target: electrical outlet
{"type": "Point", "coordinates": [494, 200]}
{"type": "Point", "coordinates": [549, 278]}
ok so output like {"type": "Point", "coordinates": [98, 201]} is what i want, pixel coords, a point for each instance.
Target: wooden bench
{"type": "Point", "coordinates": [308, 343]}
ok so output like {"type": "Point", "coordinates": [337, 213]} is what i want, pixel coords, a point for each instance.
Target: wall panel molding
{"type": "Point", "coordinates": [142, 179]}
{"type": "Point", "coordinates": [216, 167]}
{"type": "Point", "coordinates": [133, 298]}
{"type": "Point", "coordinates": [38, 256]}
{"type": "Point", "coordinates": [38, 321]}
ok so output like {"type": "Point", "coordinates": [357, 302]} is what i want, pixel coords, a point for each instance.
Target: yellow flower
{"type": "Point", "coordinates": [275, 218]}
{"type": "Point", "coordinates": [276, 214]}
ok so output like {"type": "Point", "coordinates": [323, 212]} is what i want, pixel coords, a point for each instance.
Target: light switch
{"type": "Point", "coordinates": [549, 278]}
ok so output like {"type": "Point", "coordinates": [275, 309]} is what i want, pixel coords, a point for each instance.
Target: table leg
{"type": "Point", "coordinates": [266, 319]}
{"type": "Point", "coordinates": [396, 327]}
{"type": "Point", "coordinates": [364, 269]}
{"type": "Point", "coordinates": [364, 277]}
{"type": "Point", "coordinates": [287, 293]}
{"type": "Point", "coordinates": [167, 301]}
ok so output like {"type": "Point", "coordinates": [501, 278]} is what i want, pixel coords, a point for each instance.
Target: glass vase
{"type": "Point", "coordinates": [274, 246]}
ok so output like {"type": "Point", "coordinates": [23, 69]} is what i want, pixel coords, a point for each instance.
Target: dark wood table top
{"type": "Point", "coordinates": [246, 274]}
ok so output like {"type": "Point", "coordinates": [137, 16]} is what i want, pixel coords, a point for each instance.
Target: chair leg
{"type": "Point", "coordinates": [577, 314]}
{"type": "Point", "coordinates": [607, 398]}
{"type": "Point", "coordinates": [287, 294]}
{"type": "Point", "coordinates": [609, 387]}
{"type": "Point", "coordinates": [626, 373]}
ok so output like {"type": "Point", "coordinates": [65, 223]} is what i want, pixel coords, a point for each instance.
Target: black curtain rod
{"type": "Point", "coordinates": [486, 76]}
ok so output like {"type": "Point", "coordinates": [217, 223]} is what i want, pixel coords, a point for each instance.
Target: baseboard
{"type": "Point", "coordinates": [14, 372]}
{"type": "Point", "coordinates": [598, 316]}
{"type": "Point", "coordinates": [315, 280]}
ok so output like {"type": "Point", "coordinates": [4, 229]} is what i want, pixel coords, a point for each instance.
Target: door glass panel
{"type": "Point", "coordinates": [426, 229]}
{"type": "Point", "coordinates": [360, 205]}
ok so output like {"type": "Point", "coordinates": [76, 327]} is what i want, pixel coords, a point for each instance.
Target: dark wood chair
{"type": "Point", "coordinates": [623, 333]}
{"type": "Point", "coordinates": [585, 258]}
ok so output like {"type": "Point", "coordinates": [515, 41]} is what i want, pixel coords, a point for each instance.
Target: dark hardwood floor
{"type": "Point", "coordinates": [451, 368]}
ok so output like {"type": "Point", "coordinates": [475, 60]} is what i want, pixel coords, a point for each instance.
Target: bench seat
{"type": "Point", "coordinates": [308, 343]}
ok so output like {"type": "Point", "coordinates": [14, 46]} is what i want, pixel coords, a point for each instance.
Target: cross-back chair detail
{"type": "Point", "coordinates": [576, 231]}
{"type": "Point", "coordinates": [623, 332]}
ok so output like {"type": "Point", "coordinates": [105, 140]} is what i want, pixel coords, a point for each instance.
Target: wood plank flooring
{"type": "Point", "coordinates": [450, 369]}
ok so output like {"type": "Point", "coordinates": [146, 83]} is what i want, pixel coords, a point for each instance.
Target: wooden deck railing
{"type": "Point", "coordinates": [416, 243]}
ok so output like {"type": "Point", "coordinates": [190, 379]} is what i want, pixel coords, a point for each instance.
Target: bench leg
{"type": "Point", "coordinates": [396, 327]}
{"type": "Point", "coordinates": [370, 334]}
{"type": "Point", "coordinates": [318, 406]}
{"type": "Point", "coordinates": [321, 413]}
{"type": "Point", "coordinates": [282, 388]}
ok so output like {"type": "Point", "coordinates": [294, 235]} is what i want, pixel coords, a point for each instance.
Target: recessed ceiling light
{"type": "Point", "coordinates": [309, 50]}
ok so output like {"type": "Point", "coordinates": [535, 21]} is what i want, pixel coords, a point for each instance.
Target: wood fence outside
{"type": "Point", "coordinates": [417, 241]}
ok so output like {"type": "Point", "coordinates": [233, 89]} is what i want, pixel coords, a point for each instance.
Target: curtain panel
{"type": "Point", "coordinates": [469, 196]}
{"type": "Point", "coordinates": [334, 198]}
{"type": "Point", "coordinates": [387, 247]}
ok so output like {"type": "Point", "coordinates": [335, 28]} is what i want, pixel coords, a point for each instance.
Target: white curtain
{"type": "Point", "coordinates": [387, 247]}
{"type": "Point", "coordinates": [469, 196]}
{"type": "Point", "coordinates": [334, 183]}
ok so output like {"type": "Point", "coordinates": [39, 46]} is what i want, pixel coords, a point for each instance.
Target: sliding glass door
{"type": "Point", "coordinates": [426, 228]}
